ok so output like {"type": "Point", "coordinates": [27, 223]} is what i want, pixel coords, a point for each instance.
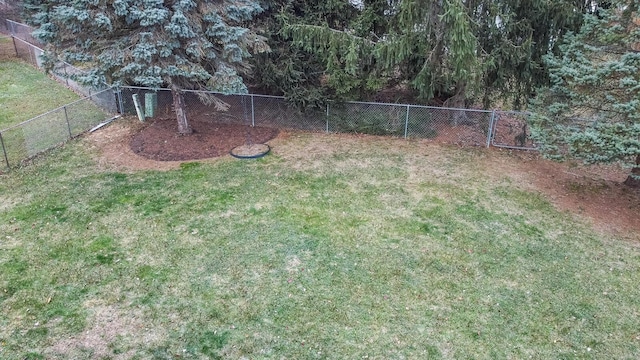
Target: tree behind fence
{"type": "Point", "coordinates": [467, 127]}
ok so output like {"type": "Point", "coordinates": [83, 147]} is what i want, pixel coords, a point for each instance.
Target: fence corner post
{"type": "Point", "coordinates": [490, 131]}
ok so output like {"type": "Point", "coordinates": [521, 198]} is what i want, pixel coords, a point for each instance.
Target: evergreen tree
{"type": "Point", "coordinates": [398, 41]}
{"type": "Point", "coordinates": [514, 36]}
{"type": "Point", "coordinates": [458, 50]}
{"type": "Point", "coordinates": [182, 44]}
{"type": "Point", "coordinates": [292, 71]}
{"type": "Point", "coordinates": [592, 109]}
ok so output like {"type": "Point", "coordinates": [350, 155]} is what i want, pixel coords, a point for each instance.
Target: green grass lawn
{"type": "Point", "coordinates": [26, 92]}
{"type": "Point", "coordinates": [333, 247]}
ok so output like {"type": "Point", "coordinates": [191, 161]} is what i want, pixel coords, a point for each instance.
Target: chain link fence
{"type": "Point", "coordinates": [21, 31]}
{"type": "Point", "coordinates": [29, 49]}
{"type": "Point", "coordinates": [27, 52]}
{"type": "Point", "coordinates": [63, 72]}
{"type": "Point", "coordinates": [511, 130]}
{"type": "Point", "coordinates": [29, 138]}
{"type": "Point", "coordinates": [468, 127]}
{"type": "Point", "coordinates": [465, 127]}
{"type": "Point", "coordinates": [50, 129]}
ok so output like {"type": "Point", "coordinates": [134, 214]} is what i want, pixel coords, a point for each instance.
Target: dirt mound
{"type": "Point", "coordinates": [161, 141]}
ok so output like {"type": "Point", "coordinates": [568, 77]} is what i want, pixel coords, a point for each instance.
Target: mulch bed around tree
{"type": "Point", "coordinates": [161, 141]}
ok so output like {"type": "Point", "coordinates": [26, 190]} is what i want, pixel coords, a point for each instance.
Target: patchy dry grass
{"type": "Point", "coordinates": [331, 247]}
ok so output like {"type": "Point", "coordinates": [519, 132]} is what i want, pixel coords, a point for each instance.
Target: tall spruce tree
{"type": "Point", "coordinates": [458, 50]}
{"type": "Point", "coordinates": [182, 44]}
{"type": "Point", "coordinates": [592, 109]}
{"type": "Point", "coordinates": [292, 71]}
{"type": "Point", "coordinates": [514, 36]}
{"type": "Point", "coordinates": [404, 41]}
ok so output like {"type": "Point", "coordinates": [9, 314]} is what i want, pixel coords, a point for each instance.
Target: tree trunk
{"type": "Point", "coordinates": [181, 115]}
{"type": "Point", "coordinates": [457, 101]}
{"type": "Point", "coordinates": [633, 180]}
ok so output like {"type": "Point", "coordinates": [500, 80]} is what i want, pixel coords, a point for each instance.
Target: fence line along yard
{"type": "Point", "coordinates": [28, 49]}
{"type": "Point", "coordinates": [466, 127]}
{"type": "Point", "coordinates": [54, 127]}
{"type": "Point", "coordinates": [45, 131]}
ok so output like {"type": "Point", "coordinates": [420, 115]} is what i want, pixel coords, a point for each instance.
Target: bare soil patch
{"type": "Point", "coordinates": [107, 325]}
{"type": "Point", "coordinates": [114, 151]}
{"type": "Point", "coordinates": [594, 193]}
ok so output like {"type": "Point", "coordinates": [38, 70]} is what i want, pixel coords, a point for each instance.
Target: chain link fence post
{"type": "Point", "coordinates": [253, 113]}
{"type": "Point", "coordinates": [490, 132]}
{"type": "Point", "coordinates": [15, 47]}
{"type": "Point", "coordinates": [66, 116]}
{"type": "Point", "coordinates": [327, 128]}
{"type": "Point", "coordinates": [406, 123]}
{"type": "Point", "coordinates": [66, 75]}
{"type": "Point", "coordinates": [119, 99]}
{"type": "Point", "coordinates": [4, 150]}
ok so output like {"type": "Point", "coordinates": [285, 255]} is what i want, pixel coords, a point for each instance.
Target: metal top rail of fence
{"type": "Point", "coordinates": [21, 31]}
{"type": "Point", "coordinates": [146, 88]}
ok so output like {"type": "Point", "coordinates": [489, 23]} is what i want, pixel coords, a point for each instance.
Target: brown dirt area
{"type": "Point", "coordinates": [106, 325]}
{"type": "Point", "coordinates": [595, 193]}
{"type": "Point", "coordinates": [160, 140]}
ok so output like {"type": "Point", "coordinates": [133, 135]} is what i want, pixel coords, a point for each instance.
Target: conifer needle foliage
{"type": "Point", "coordinates": [182, 44]}
{"type": "Point", "coordinates": [452, 50]}
{"type": "Point", "coordinates": [592, 109]}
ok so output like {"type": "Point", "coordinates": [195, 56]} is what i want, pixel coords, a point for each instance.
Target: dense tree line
{"type": "Point", "coordinates": [454, 50]}
{"type": "Point", "coordinates": [457, 51]}
{"type": "Point", "coordinates": [583, 76]}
